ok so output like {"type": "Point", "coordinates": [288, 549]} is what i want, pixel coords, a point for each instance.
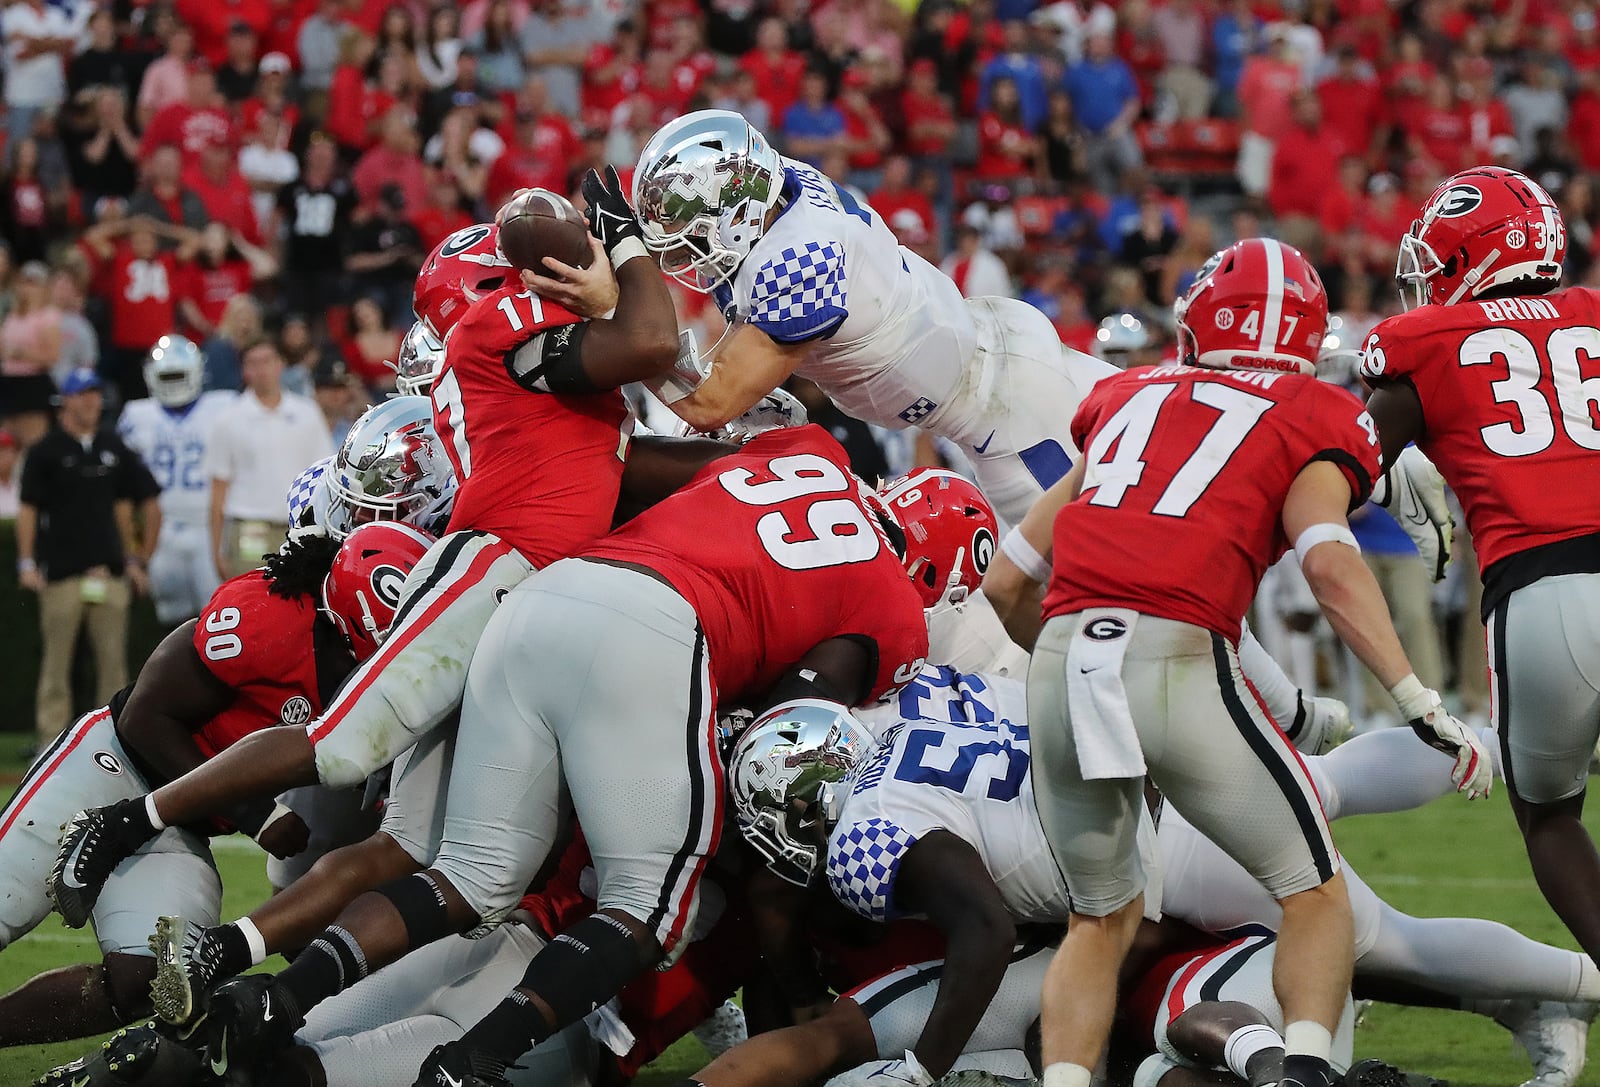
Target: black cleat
{"type": "Point", "coordinates": [93, 843]}
{"type": "Point", "coordinates": [132, 1057]}
{"type": "Point", "coordinates": [250, 1022]}
{"type": "Point", "coordinates": [457, 1064]}
{"type": "Point", "coordinates": [188, 967]}
{"type": "Point", "coordinates": [1375, 1073]}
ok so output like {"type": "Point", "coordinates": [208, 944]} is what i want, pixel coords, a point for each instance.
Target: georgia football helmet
{"type": "Point", "coordinates": [1482, 228]}
{"type": "Point", "coordinates": [703, 188]}
{"type": "Point", "coordinates": [787, 776]}
{"type": "Point", "coordinates": [362, 589]}
{"type": "Point", "coordinates": [390, 468]}
{"type": "Point", "coordinates": [950, 528]}
{"type": "Point", "coordinates": [1120, 338]}
{"type": "Point", "coordinates": [1256, 305]}
{"type": "Point", "coordinates": [175, 371]}
{"type": "Point", "coordinates": [421, 356]}
{"type": "Point", "coordinates": [775, 411]}
{"type": "Point", "coordinates": [466, 266]}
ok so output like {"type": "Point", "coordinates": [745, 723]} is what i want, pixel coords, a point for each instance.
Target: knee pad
{"type": "Point", "coordinates": [586, 966]}
{"type": "Point", "coordinates": [421, 905]}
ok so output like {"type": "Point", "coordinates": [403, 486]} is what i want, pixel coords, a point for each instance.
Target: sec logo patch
{"type": "Point", "coordinates": [108, 762]}
{"type": "Point", "coordinates": [1224, 319]}
{"type": "Point", "coordinates": [1515, 239]}
{"type": "Point", "coordinates": [296, 711]}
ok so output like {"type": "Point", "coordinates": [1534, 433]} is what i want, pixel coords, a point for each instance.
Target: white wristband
{"type": "Point", "coordinates": [1034, 566]}
{"type": "Point", "coordinates": [1412, 698]}
{"type": "Point", "coordinates": [1326, 532]}
{"type": "Point", "coordinates": [626, 250]}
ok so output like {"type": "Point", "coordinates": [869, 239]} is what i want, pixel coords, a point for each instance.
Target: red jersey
{"type": "Point", "coordinates": [144, 306]}
{"type": "Point", "coordinates": [263, 647]}
{"type": "Point", "coordinates": [1508, 398]}
{"type": "Point", "coordinates": [776, 551]}
{"type": "Point", "coordinates": [188, 129]}
{"type": "Point", "coordinates": [539, 470]}
{"type": "Point", "coordinates": [1186, 473]}
{"type": "Point", "coordinates": [211, 288]}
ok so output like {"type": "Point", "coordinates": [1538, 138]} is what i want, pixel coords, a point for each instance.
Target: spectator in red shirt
{"type": "Point", "coordinates": [1266, 88]}
{"type": "Point", "coordinates": [1583, 47]}
{"type": "Point", "coordinates": [225, 264]}
{"type": "Point", "coordinates": [930, 122]}
{"type": "Point", "coordinates": [29, 213]}
{"type": "Point", "coordinates": [370, 346]}
{"type": "Point", "coordinates": [898, 201]}
{"type": "Point", "coordinates": [777, 69]}
{"type": "Point", "coordinates": [355, 106]}
{"type": "Point", "coordinates": [212, 19]}
{"type": "Point", "coordinates": [1383, 221]}
{"type": "Point", "coordinates": [1406, 81]}
{"type": "Point", "coordinates": [1438, 130]}
{"type": "Point", "coordinates": [393, 161]}
{"type": "Point", "coordinates": [1302, 162]}
{"type": "Point", "coordinates": [868, 137]}
{"type": "Point", "coordinates": [199, 119]}
{"type": "Point", "coordinates": [692, 61]}
{"type": "Point", "coordinates": [163, 196]}
{"type": "Point", "coordinates": [1485, 113]}
{"type": "Point", "coordinates": [1341, 205]}
{"type": "Point", "coordinates": [613, 69]}
{"type": "Point", "coordinates": [216, 180]}
{"type": "Point", "coordinates": [1353, 113]}
{"type": "Point", "coordinates": [1583, 120]}
{"type": "Point", "coordinates": [138, 279]}
{"type": "Point", "coordinates": [1006, 149]}
{"type": "Point", "coordinates": [442, 215]}
{"type": "Point", "coordinates": [271, 96]}
{"type": "Point", "coordinates": [540, 148]}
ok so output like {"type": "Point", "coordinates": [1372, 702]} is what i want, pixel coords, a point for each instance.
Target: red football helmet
{"type": "Point", "coordinates": [362, 590]}
{"type": "Point", "coordinates": [950, 530]}
{"type": "Point", "coordinates": [1256, 305]}
{"type": "Point", "coordinates": [466, 265]}
{"type": "Point", "coordinates": [1484, 227]}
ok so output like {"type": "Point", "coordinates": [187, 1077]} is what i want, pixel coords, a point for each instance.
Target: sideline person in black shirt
{"type": "Point", "coordinates": [78, 546]}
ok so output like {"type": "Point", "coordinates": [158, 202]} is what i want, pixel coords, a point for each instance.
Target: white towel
{"type": "Point", "coordinates": [1102, 724]}
{"type": "Point", "coordinates": [1150, 861]}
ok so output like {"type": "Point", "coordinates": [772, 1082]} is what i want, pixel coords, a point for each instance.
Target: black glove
{"type": "Point", "coordinates": [611, 217]}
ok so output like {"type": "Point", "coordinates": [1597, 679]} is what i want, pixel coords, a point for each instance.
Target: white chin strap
{"type": "Point", "coordinates": [1470, 280]}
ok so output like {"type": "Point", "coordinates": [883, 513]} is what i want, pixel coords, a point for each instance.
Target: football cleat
{"type": "Point", "coordinates": [250, 1021]}
{"type": "Point", "coordinates": [975, 1077]}
{"type": "Point", "coordinates": [93, 843]}
{"type": "Point", "coordinates": [722, 1029]}
{"type": "Point", "coordinates": [132, 1057]}
{"type": "Point", "coordinates": [188, 967]}
{"type": "Point", "coordinates": [1554, 1035]}
{"type": "Point", "coordinates": [456, 1064]}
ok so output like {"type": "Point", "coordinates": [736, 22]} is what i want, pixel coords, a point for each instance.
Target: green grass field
{"type": "Point", "coordinates": [1449, 858]}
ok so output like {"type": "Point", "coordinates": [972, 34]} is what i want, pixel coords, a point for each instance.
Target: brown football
{"type": "Point", "coordinates": [540, 224]}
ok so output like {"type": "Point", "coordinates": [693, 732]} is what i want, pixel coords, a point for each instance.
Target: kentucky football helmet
{"type": "Point", "coordinates": [421, 356]}
{"type": "Point", "coordinates": [950, 528]}
{"type": "Point", "coordinates": [362, 589]}
{"type": "Point", "coordinates": [1482, 228]}
{"type": "Point", "coordinates": [1120, 338]}
{"type": "Point", "coordinates": [788, 778]}
{"type": "Point", "coordinates": [466, 266]}
{"type": "Point", "coordinates": [390, 468]}
{"type": "Point", "coordinates": [703, 188]}
{"type": "Point", "coordinates": [1256, 305]}
{"type": "Point", "coordinates": [175, 371]}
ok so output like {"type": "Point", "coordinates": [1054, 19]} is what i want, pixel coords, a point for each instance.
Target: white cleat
{"type": "Point", "coordinates": [1327, 725]}
{"type": "Point", "coordinates": [723, 1029]}
{"type": "Point", "coordinates": [1554, 1035]}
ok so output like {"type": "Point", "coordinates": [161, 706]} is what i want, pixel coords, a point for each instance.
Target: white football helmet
{"type": "Point", "coordinates": [175, 371]}
{"type": "Point", "coordinates": [703, 188]}
{"type": "Point", "coordinates": [788, 776]}
{"type": "Point", "coordinates": [775, 411]}
{"type": "Point", "coordinates": [421, 356]}
{"type": "Point", "coordinates": [1120, 338]}
{"type": "Point", "coordinates": [390, 468]}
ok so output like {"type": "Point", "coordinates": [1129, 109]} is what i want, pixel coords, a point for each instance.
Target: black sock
{"type": "Point", "coordinates": [329, 965]}
{"type": "Point", "coordinates": [1307, 1071]}
{"type": "Point", "coordinates": [514, 1026]}
{"type": "Point", "coordinates": [224, 952]}
{"type": "Point", "coordinates": [1265, 1066]}
{"type": "Point", "coordinates": [130, 821]}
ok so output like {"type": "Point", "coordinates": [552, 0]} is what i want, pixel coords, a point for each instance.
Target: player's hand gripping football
{"type": "Point", "coordinates": [1422, 708]}
{"type": "Point", "coordinates": [611, 217]}
{"type": "Point", "coordinates": [1412, 490]}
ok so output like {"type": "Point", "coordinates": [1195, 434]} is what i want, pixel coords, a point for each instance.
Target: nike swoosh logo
{"type": "Point", "coordinates": [266, 1007]}
{"type": "Point", "coordinates": [84, 1082]}
{"type": "Point", "coordinates": [984, 448]}
{"type": "Point", "coordinates": [70, 867]}
{"type": "Point", "coordinates": [220, 1067]}
{"type": "Point", "coordinates": [450, 1081]}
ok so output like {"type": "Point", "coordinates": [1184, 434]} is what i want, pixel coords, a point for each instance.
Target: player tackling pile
{"type": "Point", "coordinates": [555, 697]}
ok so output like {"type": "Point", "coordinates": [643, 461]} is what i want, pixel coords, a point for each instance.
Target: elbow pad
{"type": "Point", "coordinates": [552, 362]}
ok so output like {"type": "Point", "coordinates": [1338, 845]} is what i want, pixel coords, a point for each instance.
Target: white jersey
{"type": "Point", "coordinates": [893, 340]}
{"type": "Point", "coordinates": [172, 442]}
{"type": "Point", "coordinates": [956, 761]}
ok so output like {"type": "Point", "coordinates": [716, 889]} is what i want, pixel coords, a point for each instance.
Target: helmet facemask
{"type": "Point", "coordinates": [1414, 267]}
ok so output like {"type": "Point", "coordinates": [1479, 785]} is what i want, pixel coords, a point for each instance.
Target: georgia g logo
{"type": "Point", "coordinates": [982, 550]}
{"type": "Point", "coordinates": [1107, 628]}
{"type": "Point", "coordinates": [463, 239]}
{"type": "Point", "coordinates": [1457, 201]}
{"type": "Point", "coordinates": [386, 582]}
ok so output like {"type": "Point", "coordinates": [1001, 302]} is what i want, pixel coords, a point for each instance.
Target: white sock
{"type": "Point", "coordinates": [1308, 1038]}
{"type": "Point", "coordinates": [253, 937]}
{"type": "Point", "coordinates": [151, 813]}
{"type": "Point", "coordinates": [1245, 1043]}
{"type": "Point", "coordinates": [1588, 980]}
{"type": "Point", "coordinates": [1062, 1074]}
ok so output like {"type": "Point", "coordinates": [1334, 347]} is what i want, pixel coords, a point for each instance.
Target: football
{"type": "Point", "coordinates": [539, 224]}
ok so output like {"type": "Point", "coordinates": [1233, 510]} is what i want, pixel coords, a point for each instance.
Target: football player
{"type": "Point", "coordinates": [529, 411]}
{"type": "Point", "coordinates": [1226, 461]}
{"type": "Point", "coordinates": [170, 430]}
{"type": "Point", "coordinates": [421, 359]}
{"type": "Point", "coordinates": [800, 590]}
{"type": "Point", "coordinates": [269, 649]}
{"type": "Point", "coordinates": [1486, 374]}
